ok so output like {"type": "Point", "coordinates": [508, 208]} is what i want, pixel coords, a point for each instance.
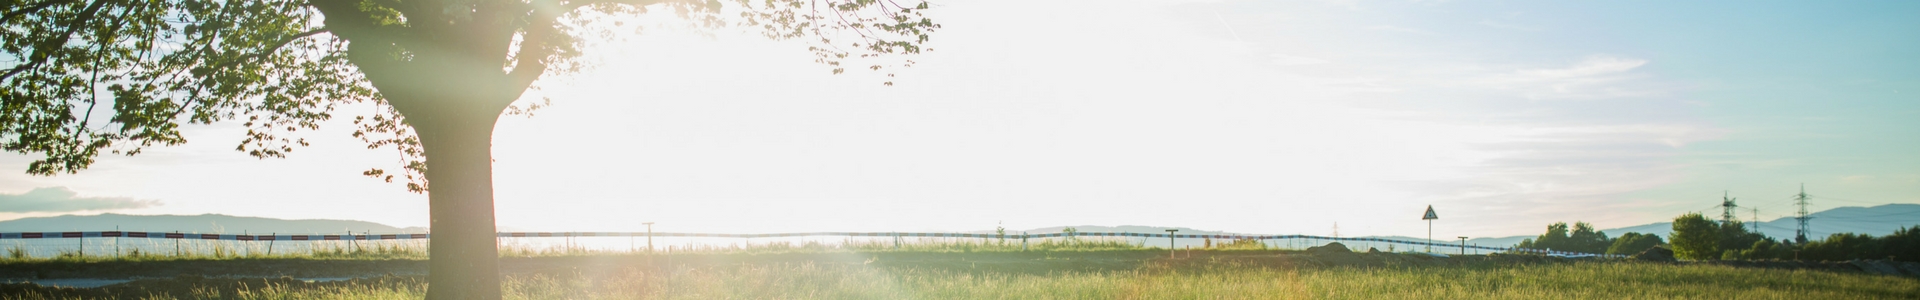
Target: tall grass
{"type": "Point", "coordinates": [1230, 281]}
{"type": "Point", "coordinates": [417, 249]}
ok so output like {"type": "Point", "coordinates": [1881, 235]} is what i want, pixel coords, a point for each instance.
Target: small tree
{"type": "Point", "coordinates": [1581, 239]}
{"type": "Point", "coordinates": [1762, 249]}
{"type": "Point", "coordinates": [1734, 236]}
{"type": "Point", "coordinates": [1585, 239]}
{"type": "Point", "coordinates": [1694, 237]}
{"type": "Point", "coordinates": [1633, 243]}
{"type": "Point", "coordinates": [1555, 238]}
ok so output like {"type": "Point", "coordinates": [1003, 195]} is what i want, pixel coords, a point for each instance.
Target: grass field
{"type": "Point", "coordinates": [1106, 271]}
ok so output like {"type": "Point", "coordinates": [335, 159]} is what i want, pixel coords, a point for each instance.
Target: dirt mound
{"type": "Point", "coordinates": [1330, 248]}
{"type": "Point", "coordinates": [1656, 254]}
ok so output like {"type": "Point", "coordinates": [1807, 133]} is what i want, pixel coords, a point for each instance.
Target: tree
{"type": "Point", "coordinates": [1694, 237]}
{"type": "Point", "coordinates": [1633, 243]}
{"type": "Point", "coordinates": [1582, 239]}
{"type": "Point", "coordinates": [1762, 249]}
{"type": "Point", "coordinates": [446, 70]}
{"type": "Point", "coordinates": [1554, 239]}
{"type": "Point", "coordinates": [1844, 246]}
{"type": "Point", "coordinates": [1903, 244]}
{"type": "Point", "coordinates": [1734, 236]}
{"type": "Point", "coordinates": [1585, 239]}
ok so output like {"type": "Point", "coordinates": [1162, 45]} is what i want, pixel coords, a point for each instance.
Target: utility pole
{"type": "Point", "coordinates": [1726, 207]}
{"type": "Point", "coordinates": [1170, 249]}
{"type": "Point", "coordinates": [1756, 220]}
{"type": "Point", "coordinates": [1800, 237]}
{"type": "Point", "coordinates": [1463, 245]}
{"type": "Point", "coordinates": [649, 236]}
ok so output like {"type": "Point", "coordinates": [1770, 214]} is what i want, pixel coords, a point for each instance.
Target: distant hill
{"type": "Point", "coordinates": [1877, 220]}
{"type": "Point", "coordinates": [207, 223]}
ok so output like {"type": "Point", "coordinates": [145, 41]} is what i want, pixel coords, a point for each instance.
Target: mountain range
{"type": "Point", "coordinates": [1876, 220]}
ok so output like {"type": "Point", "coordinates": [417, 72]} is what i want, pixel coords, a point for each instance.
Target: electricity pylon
{"type": "Point", "coordinates": [1727, 206]}
{"type": "Point", "coordinates": [1800, 237]}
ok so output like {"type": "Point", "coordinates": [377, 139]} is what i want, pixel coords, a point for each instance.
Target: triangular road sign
{"type": "Point", "coordinates": [1430, 215]}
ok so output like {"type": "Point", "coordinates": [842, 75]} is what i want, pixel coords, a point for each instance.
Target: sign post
{"type": "Point", "coordinates": [1430, 217]}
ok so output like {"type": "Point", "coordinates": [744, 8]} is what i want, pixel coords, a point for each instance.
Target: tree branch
{"type": "Point", "coordinates": [531, 58]}
{"type": "Point", "coordinates": [270, 50]}
{"type": "Point", "coordinates": [31, 9]}
{"type": "Point", "coordinates": [18, 69]}
{"type": "Point", "coordinates": [84, 17]}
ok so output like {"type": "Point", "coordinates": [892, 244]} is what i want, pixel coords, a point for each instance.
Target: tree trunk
{"type": "Point", "coordinates": [458, 140]}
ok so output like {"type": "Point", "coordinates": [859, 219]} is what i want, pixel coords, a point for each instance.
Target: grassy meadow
{"type": "Point", "coordinates": [1602, 280]}
{"type": "Point", "coordinates": [1049, 270]}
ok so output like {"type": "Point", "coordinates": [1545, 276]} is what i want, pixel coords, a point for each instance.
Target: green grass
{"type": "Point", "coordinates": [815, 281]}
{"type": "Point", "coordinates": [1585, 281]}
{"type": "Point", "coordinates": [1056, 275]}
{"type": "Point", "coordinates": [387, 250]}
{"type": "Point", "coordinates": [1055, 269]}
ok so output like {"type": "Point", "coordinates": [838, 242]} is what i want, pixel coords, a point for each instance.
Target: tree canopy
{"type": "Point", "coordinates": [1633, 243]}
{"type": "Point", "coordinates": [1583, 238]}
{"type": "Point", "coordinates": [85, 78]}
{"type": "Point", "coordinates": [117, 76]}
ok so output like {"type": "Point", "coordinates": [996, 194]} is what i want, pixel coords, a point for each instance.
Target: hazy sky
{"type": "Point", "coordinates": [1246, 116]}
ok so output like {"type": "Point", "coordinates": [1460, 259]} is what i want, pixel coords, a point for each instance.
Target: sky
{"type": "Point", "coordinates": [1240, 116]}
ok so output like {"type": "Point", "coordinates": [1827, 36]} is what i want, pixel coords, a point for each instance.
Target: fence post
{"type": "Point", "coordinates": [1023, 241]}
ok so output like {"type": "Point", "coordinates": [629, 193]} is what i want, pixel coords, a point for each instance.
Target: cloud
{"type": "Point", "coordinates": [1567, 173]}
{"type": "Point", "coordinates": [1593, 77]}
{"type": "Point", "coordinates": [1398, 29]}
{"type": "Point", "coordinates": [60, 199]}
{"type": "Point", "coordinates": [1511, 26]}
{"type": "Point", "coordinates": [1598, 65]}
{"type": "Point", "coordinates": [1292, 60]}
